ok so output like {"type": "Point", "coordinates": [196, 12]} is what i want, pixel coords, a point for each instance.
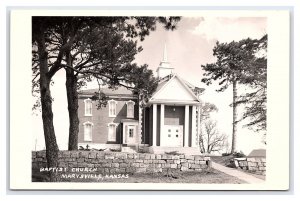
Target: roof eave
{"type": "Point", "coordinates": [174, 102]}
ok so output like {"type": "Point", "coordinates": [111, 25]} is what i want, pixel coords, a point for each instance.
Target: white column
{"type": "Point", "coordinates": [140, 127]}
{"type": "Point", "coordinates": [186, 126]}
{"type": "Point", "coordinates": [125, 133]}
{"type": "Point", "coordinates": [199, 126]}
{"type": "Point", "coordinates": [193, 126]}
{"type": "Point", "coordinates": [162, 122]}
{"type": "Point", "coordinates": [154, 125]}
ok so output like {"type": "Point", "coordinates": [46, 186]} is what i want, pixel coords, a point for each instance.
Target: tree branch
{"type": "Point", "coordinates": [35, 77]}
{"type": "Point", "coordinates": [99, 75]}
{"type": "Point", "coordinates": [57, 63]}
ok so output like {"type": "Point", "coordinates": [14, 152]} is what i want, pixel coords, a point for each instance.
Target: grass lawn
{"type": "Point", "coordinates": [205, 177]}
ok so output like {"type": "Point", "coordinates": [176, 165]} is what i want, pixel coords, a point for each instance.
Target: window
{"type": "Point", "coordinates": [130, 132]}
{"type": "Point", "coordinates": [112, 107]}
{"type": "Point", "coordinates": [88, 131]}
{"type": "Point", "coordinates": [112, 132]}
{"type": "Point", "coordinates": [88, 107]}
{"type": "Point", "coordinates": [130, 109]}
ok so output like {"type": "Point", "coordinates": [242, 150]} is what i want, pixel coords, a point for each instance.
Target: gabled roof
{"type": "Point", "coordinates": [183, 93]}
{"type": "Point", "coordinates": [258, 153]}
{"type": "Point", "coordinates": [161, 83]}
{"type": "Point", "coordinates": [194, 88]}
{"type": "Point", "coordinates": [122, 92]}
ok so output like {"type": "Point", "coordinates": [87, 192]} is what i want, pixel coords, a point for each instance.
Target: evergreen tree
{"type": "Point", "coordinates": [237, 63]}
{"type": "Point", "coordinates": [86, 46]}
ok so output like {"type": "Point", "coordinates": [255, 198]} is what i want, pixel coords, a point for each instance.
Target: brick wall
{"type": "Point", "coordinates": [118, 162]}
{"type": "Point", "coordinates": [256, 165]}
{"type": "Point", "coordinates": [101, 119]}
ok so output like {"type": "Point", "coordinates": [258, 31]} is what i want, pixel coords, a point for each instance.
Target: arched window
{"type": "Point", "coordinates": [130, 109]}
{"type": "Point", "coordinates": [112, 128]}
{"type": "Point", "coordinates": [112, 108]}
{"type": "Point", "coordinates": [88, 107]}
{"type": "Point", "coordinates": [88, 131]}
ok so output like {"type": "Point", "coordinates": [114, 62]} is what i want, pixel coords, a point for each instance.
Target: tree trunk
{"type": "Point", "coordinates": [234, 122]}
{"type": "Point", "coordinates": [208, 142]}
{"type": "Point", "coordinates": [72, 96]}
{"type": "Point", "coordinates": [47, 115]}
{"type": "Point", "coordinates": [49, 133]}
{"type": "Point", "coordinates": [201, 144]}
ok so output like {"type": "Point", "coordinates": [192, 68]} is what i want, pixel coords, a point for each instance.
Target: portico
{"type": "Point", "coordinates": [171, 132]}
{"type": "Point", "coordinates": [174, 114]}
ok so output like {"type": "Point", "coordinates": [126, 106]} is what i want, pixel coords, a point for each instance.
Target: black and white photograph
{"type": "Point", "coordinates": [152, 99]}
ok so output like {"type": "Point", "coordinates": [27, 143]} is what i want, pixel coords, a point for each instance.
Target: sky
{"type": "Point", "coordinates": [188, 47]}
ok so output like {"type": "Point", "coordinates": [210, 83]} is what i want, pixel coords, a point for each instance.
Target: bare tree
{"type": "Point", "coordinates": [206, 110]}
{"type": "Point", "coordinates": [212, 139]}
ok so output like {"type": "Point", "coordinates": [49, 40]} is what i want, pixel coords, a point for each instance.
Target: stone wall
{"type": "Point", "coordinates": [119, 162]}
{"type": "Point", "coordinates": [256, 165]}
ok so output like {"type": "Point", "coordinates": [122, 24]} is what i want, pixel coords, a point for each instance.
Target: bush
{"type": "Point", "coordinates": [173, 153]}
{"type": "Point", "coordinates": [239, 154]}
{"type": "Point", "coordinates": [115, 150]}
{"type": "Point", "coordinates": [226, 154]}
{"type": "Point", "coordinates": [102, 149]}
{"type": "Point", "coordinates": [81, 148]}
{"type": "Point", "coordinates": [142, 151]}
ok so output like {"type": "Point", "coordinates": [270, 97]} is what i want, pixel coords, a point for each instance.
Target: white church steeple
{"type": "Point", "coordinates": [164, 69]}
{"type": "Point", "coordinates": [165, 58]}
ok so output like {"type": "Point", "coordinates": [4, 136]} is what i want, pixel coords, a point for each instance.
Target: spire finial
{"type": "Point", "coordinates": [165, 58]}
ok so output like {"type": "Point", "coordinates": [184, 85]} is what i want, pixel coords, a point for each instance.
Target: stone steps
{"type": "Point", "coordinates": [129, 149]}
{"type": "Point", "coordinates": [181, 150]}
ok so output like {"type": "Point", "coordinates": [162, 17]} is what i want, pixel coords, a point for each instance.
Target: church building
{"type": "Point", "coordinates": [169, 122]}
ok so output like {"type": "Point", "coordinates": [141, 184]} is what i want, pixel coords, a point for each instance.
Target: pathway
{"type": "Point", "coordinates": [236, 173]}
